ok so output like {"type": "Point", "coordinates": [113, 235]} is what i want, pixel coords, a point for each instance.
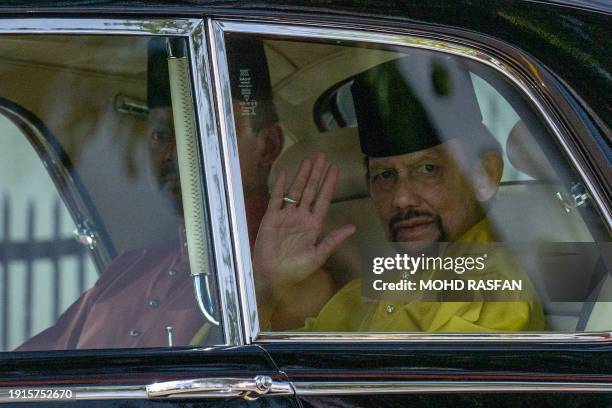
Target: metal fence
{"type": "Point", "coordinates": [27, 252]}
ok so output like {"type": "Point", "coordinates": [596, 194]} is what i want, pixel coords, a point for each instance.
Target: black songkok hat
{"type": "Point", "coordinates": [414, 103]}
{"type": "Point", "coordinates": [158, 83]}
{"type": "Point", "coordinates": [248, 73]}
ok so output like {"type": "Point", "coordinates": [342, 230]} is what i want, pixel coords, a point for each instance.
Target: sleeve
{"type": "Point", "coordinates": [65, 332]}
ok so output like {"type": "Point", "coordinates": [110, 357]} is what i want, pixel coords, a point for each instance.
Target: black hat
{"type": "Point", "coordinates": [248, 73]}
{"type": "Point", "coordinates": [158, 83]}
{"type": "Point", "coordinates": [414, 103]}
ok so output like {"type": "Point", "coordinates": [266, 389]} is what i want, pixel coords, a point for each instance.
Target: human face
{"type": "Point", "coordinates": [162, 146]}
{"type": "Point", "coordinates": [425, 196]}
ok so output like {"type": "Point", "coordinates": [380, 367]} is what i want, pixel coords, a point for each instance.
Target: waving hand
{"type": "Point", "coordinates": [290, 244]}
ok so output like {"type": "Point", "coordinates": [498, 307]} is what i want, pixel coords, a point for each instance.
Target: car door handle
{"type": "Point", "coordinates": [248, 388]}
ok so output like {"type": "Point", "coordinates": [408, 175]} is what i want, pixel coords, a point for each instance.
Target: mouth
{"type": "Point", "coordinates": [415, 229]}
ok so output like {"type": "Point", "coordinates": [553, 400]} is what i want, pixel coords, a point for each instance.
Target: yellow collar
{"type": "Point", "coordinates": [480, 232]}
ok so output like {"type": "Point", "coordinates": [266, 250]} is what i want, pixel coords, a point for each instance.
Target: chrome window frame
{"type": "Point", "coordinates": [195, 32]}
{"type": "Point", "coordinates": [425, 38]}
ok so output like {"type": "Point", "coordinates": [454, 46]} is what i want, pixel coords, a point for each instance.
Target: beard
{"type": "Point", "coordinates": [410, 214]}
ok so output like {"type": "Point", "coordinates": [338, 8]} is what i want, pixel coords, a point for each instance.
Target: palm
{"type": "Point", "coordinates": [289, 245]}
{"type": "Point", "coordinates": [288, 240]}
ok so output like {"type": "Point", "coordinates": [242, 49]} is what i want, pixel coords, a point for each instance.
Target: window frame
{"type": "Point", "coordinates": [194, 31]}
{"type": "Point", "coordinates": [515, 66]}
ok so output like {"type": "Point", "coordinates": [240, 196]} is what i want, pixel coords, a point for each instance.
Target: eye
{"type": "Point", "coordinates": [383, 176]}
{"type": "Point", "coordinates": [428, 168]}
{"type": "Point", "coordinates": [159, 135]}
{"type": "Point", "coordinates": [386, 174]}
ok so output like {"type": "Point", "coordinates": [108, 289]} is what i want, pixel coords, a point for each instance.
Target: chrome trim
{"type": "Point", "coordinates": [247, 388]}
{"type": "Point", "coordinates": [214, 177]}
{"type": "Point", "coordinates": [288, 29]}
{"type": "Point", "coordinates": [201, 286]}
{"type": "Point", "coordinates": [163, 26]}
{"type": "Point", "coordinates": [600, 337]}
{"type": "Point", "coordinates": [65, 184]}
{"type": "Point", "coordinates": [237, 211]}
{"type": "Point", "coordinates": [304, 388]}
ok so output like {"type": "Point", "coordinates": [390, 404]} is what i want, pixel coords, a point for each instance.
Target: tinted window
{"type": "Point", "coordinates": [407, 190]}
{"type": "Point", "coordinates": [111, 218]}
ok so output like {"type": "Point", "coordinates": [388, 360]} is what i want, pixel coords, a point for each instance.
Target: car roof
{"type": "Point", "coordinates": [373, 7]}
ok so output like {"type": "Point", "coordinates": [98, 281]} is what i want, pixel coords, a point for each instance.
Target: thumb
{"type": "Point", "coordinates": [333, 239]}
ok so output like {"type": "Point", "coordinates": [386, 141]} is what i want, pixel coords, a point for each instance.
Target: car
{"type": "Point", "coordinates": [171, 234]}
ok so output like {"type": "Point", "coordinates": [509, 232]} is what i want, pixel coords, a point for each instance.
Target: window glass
{"type": "Point", "coordinates": [33, 215]}
{"type": "Point", "coordinates": [98, 181]}
{"type": "Point", "coordinates": [407, 190]}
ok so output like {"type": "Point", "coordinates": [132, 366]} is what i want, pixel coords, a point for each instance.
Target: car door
{"type": "Point", "coordinates": [316, 335]}
{"type": "Point", "coordinates": [117, 273]}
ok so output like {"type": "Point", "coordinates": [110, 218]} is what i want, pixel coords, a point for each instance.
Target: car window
{"type": "Point", "coordinates": [334, 109]}
{"type": "Point", "coordinates": [37, 243]}
{"type": "Point", "coordinates": [407, 190]}
{"type": "Point", "coordinates": [104, 233]}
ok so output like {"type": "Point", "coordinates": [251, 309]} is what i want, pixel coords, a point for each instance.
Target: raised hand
{"type": "Point", "coordinates": [289, 245]}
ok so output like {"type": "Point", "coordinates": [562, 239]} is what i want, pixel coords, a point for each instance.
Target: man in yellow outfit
{"type": "Point", "coordinates": [432, 171]}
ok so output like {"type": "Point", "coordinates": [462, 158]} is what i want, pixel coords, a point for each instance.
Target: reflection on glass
{"type": "Point", "coordinates": [407, 149]}
{"type": "Point", "coordinates": [127, 167]}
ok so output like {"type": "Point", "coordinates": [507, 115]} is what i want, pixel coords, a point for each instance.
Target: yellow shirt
{"type": "Point", "coordinates": [347, 312]}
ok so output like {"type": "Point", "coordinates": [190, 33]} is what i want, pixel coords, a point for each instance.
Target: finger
{"type": "Point", "coordinates": [297, 187]}
{"type": "Point", "coordinates": [333, 239]}
{"type": "Point", "coordinates": [276, 197]}
{"type": "Point", "coordinates": [327, 192]}
{"type": "Point", "coordinates": [318, 169]}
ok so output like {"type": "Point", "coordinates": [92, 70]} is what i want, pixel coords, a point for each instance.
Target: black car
{"type": "Point", "coordinates": [217, 203]}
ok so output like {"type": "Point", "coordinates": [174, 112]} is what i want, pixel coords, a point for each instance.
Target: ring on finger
{"type": "Point", "coordinates": [289, 200]}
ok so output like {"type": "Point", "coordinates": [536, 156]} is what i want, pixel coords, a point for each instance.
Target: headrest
{"type": "Point", "coordinates": [341, 147]}
{"type": "Point", "coordinates": [526, 155]}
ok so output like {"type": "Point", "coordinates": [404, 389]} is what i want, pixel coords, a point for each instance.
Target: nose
{"type": "Point", "coordinates": [405, 195]}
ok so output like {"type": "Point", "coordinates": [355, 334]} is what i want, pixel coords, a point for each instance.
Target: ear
{"type": "Point", "coordinates": [488, 175]}
{"type": "Point", "coordinates": [270, 141]}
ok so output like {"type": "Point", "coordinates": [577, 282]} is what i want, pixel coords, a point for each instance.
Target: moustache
{"type": "Point", "coordinates": [407, 215]}
{"type": "Point", "coordinates": [413, 213]}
